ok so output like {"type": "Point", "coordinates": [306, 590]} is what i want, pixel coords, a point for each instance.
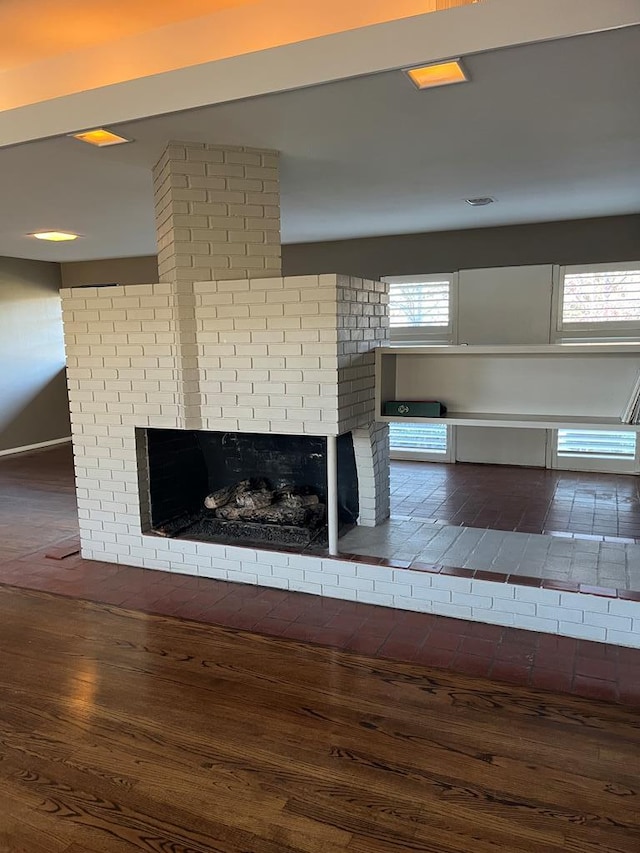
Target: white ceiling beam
{"type": "Point", "coordinates": [488, 25]}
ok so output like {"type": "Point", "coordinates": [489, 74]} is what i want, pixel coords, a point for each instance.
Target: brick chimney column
{"type": "Point", "coordinates": [217, 218]}
{"type": "Point", "coordinates": [217, 212]}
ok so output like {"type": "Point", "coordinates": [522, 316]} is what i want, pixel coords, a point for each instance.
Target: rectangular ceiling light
{"type": "Point", "coordinates": [100, 137]}
{"type": "Point", "coordinates": [438, 74]}
{"type": "Point", "coordinates": [55, 236]}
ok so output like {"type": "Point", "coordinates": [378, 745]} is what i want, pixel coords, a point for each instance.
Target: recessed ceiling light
{"type": "Point", "coordinates": [55, 236]}
{"type": "Point", "coordinates": [100, 137]}
{"type": "Point", "coordinates": [479, 202]}
{"type": "Point", "coordinates": [438, 74]}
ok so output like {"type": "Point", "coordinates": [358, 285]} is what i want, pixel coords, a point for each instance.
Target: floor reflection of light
{"type": "Point", "coordinates": [96, 656]}
{"type": "Point", "coordinates": [83, 686]}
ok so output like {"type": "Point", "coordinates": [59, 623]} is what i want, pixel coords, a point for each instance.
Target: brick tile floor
{"type": "Point", "coordinates": [527, 500]}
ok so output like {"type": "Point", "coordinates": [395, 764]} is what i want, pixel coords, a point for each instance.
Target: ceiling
{"type": "Point", "coordinates": [32, 30]}
{"type": "Point", "coordinates": [90, 56]}
{"type": "Point", "coordinates": [551, 130]}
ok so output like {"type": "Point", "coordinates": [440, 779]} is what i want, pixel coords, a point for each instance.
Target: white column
{"type": "Point", "coordinates": [332, 493]}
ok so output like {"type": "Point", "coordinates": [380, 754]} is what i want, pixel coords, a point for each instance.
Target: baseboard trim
{"type": "Point", "coordinates": [41, 444]}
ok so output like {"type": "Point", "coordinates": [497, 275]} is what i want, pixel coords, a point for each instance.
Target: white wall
{"type": "Point", "coordinates": [507, 305]}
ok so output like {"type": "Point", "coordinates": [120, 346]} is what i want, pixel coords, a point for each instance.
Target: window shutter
{"type": "Point", "coordinates": [428, 438]}
{"type": "Point", "coordinates": [420, 304]}
{"type": "Point", "coordinates": [601, 297]}
{"type": "Point", "coordinates": [598, 443]}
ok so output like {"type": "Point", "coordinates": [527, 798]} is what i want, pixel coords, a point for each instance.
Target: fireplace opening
{"type": "Point", "coordinates": [246, 488]}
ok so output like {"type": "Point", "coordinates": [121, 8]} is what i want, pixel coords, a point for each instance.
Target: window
{"type": "Point", "coordinates": [428, 439]}
{"type": "Point", "coordinates": [604, 299]}
{"type": "Point", "coordinates": [421, 304]}
{"type": "Point", "coordinates": [596, 302]}
{"type": "Point", "coordinates": [596, 443]}
{"type": "Point", "coordinates": [421, 307]}
{"type": "Point", "coordinates": [613, 451]}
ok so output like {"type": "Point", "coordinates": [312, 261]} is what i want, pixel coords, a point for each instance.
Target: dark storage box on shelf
{"type": "Point", "coordinates": [414, 409]}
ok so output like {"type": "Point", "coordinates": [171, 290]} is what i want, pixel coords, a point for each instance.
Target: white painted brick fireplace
{"type": "Point", "coordinates": [224, 343]}
{"type": "Point", "coordinates": [221, 343]}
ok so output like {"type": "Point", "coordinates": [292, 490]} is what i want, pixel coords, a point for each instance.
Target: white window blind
{"type": "Point", "coordinates": [420, 304]}
{"type": "Point", "coordinates": [602, 296]}
{"type": "Point", "coordinates": [427, 438]}
{"type": "Point", "coordinates": [596, 443]}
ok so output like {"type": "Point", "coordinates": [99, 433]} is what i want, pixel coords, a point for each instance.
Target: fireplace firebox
{"type": "Point", "coordinates": [246, 488]}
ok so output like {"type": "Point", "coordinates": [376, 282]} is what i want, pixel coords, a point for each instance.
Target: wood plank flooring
{"type": "Point", "coordinates": [121, 731]}
{"type": "Point", "coordinates": [37, 501]}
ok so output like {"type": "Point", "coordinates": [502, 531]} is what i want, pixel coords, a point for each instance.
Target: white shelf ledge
{"type": "Point", "coordinates": [487, 419]}
{"type": "Point", "coordinates": [591, 348]}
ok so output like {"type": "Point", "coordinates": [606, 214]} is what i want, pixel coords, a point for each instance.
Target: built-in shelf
{"type": "Point", "coordinates": [553, 386]}
{"type": "Point", "coordinates": [567, 348]}
{"type": "Point", "coordinates": [486, 419]}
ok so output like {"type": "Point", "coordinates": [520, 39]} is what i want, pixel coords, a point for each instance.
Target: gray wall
{"type": "Point", "coordinates": [581, 241]}
{"type": "Point", "coordinates": [142, 270]}
{"type": "Point", "coordinates": [33, 395]}
{"type": "Point", "coordinates": [571, 242]}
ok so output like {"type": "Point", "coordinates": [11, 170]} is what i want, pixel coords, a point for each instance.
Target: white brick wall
{"type": "Point", "coordinates": [371, 446]}
{"type": "Point", "coordinates": [261, 369]}
{"type": "Point", "coordinates": [187, 356]}
{"type": "Point", "coordinates": [363, 324]}
{"type": "Point", "coordinates": [276, 350]}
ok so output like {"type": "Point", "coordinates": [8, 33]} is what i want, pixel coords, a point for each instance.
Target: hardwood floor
{"type": "Point", "coordinates": [37, 501]}
{"type": "Point", "coordinates": [121, 731]}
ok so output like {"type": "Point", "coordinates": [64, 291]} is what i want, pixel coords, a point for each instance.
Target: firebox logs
{"type": "Point", "coordinates": [257, 502]}
{"type": "Point", "coordinates": [227, 495]}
